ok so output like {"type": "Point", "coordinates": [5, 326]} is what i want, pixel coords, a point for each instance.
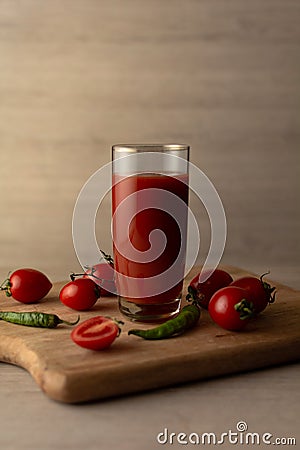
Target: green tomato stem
{"type": "Point", "coordinates": [245, 308]}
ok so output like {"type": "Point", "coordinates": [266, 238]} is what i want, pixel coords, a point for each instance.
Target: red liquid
{"type": "Point", "coordinates": [140, 226]}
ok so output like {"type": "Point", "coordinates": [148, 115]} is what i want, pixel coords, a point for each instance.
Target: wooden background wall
{"type": "Point", "coordinates": [77, 76]}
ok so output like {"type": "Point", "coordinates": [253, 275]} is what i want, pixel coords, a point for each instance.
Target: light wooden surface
{"type": "Point", "coordinates": [68, 373]}
{"type": "Point", "coordinates": [267, 400]}
{"type": "Point", "coordinates": [78, 76]}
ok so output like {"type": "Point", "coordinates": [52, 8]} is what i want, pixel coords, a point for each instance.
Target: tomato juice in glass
{"type": "Point", "coordinates": [150, 208]}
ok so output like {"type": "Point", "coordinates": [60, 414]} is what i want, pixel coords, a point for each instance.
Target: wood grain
{"type": "Point", "coordinates": [71, 374]}
{"type": "Point", "coordinates": [78, 76]}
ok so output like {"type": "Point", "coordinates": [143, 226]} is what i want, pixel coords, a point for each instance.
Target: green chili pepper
{"type": "Point", "coordinates": [34, 319]}
{"type": "Point", "coordinates": [186, 319]}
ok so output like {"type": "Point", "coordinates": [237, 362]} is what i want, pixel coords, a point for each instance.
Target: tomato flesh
{"type": "Point", "coordinates": [96, 333]}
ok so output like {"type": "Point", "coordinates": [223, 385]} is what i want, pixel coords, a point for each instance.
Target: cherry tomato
{"type": "Point", "coordinates": [80, 294]}
{"type": "Point", "coordinates": [202, 292]}
{"type": "Point", "coordinates": [103, 275]}
{"type": "Point", "coordinates": [231, 308]}
{"type": "Point", "coordinates": [261, 292]}
{"type": "Point", "coordinates": [96, 333]}
{"type": "Point", "coordinates": [27, 285]}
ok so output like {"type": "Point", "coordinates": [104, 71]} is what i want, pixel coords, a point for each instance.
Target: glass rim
{"type": "Point", "coordinates": [136, 148]}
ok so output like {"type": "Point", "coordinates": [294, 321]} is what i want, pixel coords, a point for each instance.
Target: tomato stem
{"type": "Point", "coordinates": [193, 297]}
{"type": "Point", "coordinates": [192, 294]}
{"type": "Point", "coordinates": [92, 274]}
{"type": "Point", "coordinates": [107, 258]}
{"type": "Point", "coordinates": [245, 308]}
{"type": "Point", "coordinates": [119, 323]}
{"type": "Point", "coordinates": [5, 286]}
{"type": "Point", "coordinates": [96, 289]}
{"type": "Point", "coordinates": [75, 275]}
{"type": "Point", "coordinates": [270, 291]}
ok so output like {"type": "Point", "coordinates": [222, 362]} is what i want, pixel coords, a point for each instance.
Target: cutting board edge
{"type": "Point", "coordinates": [64, 392]}
{"type": "Point", "coordinates": [66, 388]}
{"type": "Point", "coordinates": [60, 386]}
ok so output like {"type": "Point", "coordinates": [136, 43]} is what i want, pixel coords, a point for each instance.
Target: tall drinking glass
{"type": "Point", "coordinates": [149, 226]}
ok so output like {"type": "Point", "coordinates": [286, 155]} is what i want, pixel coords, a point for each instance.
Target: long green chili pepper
{"type": "Point", "coordinates": [34, 319]}
{"type": "Point", "coordinates": [186, 319]}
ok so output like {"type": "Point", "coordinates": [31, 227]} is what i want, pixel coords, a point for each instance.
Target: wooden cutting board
{"type": "Point", "coordinates": [68, 373]}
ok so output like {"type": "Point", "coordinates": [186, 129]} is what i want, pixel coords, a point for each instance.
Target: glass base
{"type": "Point", "coordinates": [149, 313]}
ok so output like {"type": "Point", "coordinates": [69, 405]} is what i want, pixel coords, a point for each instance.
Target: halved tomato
{"type": "Point", "coordinates": [96, 333]}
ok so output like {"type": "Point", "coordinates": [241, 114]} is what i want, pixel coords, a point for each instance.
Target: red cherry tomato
{"type": "Point", "coordinates": [103, 275]}
{"type": "Point", "coordinates": [261, 292]}
{"type": "Point", "coordinates": [80, 294]}
{"type": "Point", "coordinates": [202, 292]}
{"type": "Point", "coordinates": [27, 285]}
{"type": "Point", "coordinates": [231, 308]}
{"type": "Point", "coordinates": [96, 333]}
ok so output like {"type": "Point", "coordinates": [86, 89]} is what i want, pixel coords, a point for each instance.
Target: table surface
{"type": "Point", "coordinates": [222, 76]}
{"type": "Point", "coordinates": [267, 400]}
